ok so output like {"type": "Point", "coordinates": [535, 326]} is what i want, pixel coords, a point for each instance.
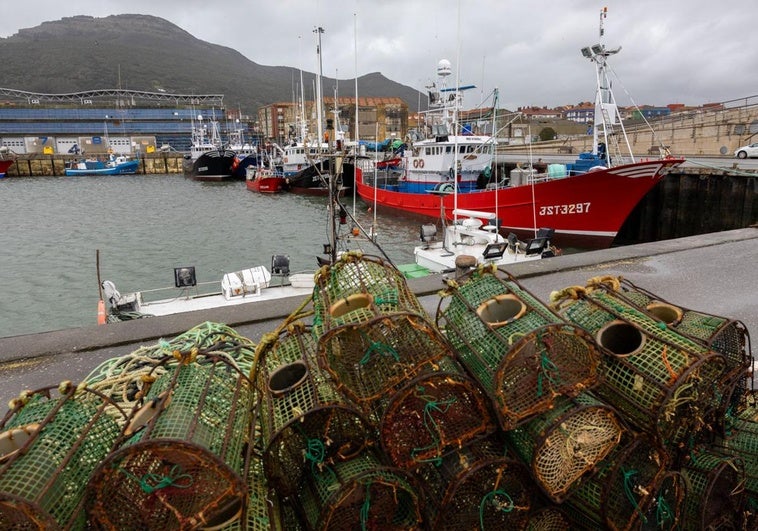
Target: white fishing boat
{"type": "Point", "coordinates": [254, 284]}
{"type": "Point", "coordinates": [469, 242]}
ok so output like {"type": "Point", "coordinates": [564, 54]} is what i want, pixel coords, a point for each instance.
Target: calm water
{"type": "Point", "coordinates": [144, 226]}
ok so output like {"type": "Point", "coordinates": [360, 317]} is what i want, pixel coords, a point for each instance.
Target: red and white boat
{"type": "Point", "coordinates": [586, 202]}
{"type": "Point", "coordinates": [265, 180]}
{"type": "Point", "coordinates": [7, 158]}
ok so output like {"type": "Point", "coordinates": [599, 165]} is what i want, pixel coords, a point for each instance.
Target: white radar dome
{"type": "Point", "coordinates": [444, 68]}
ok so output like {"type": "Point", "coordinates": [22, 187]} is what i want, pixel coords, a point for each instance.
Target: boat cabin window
{"type": "Point", "coordinates": [448, 149]}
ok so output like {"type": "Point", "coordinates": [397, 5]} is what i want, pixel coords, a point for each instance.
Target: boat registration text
{"type": "Point", "coordinates": [571, 208]}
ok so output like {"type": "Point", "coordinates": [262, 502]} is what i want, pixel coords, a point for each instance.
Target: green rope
{"type": "Point", "coordinates": [663, 512]}
{"type": "Point", "coordinates": [547, 370]}
{"type": "Point", "coordinates": [499, 506]}
{"type": "Point", "coordinates": [365, 508]}
{"type": "Point", "coordinates": [315, 453]}
{"type": "Point", "coordinates": [628, 475]}
{"type": "Point", "coordinates": [151, 482]}
{"type": "Point", "coordinates": [430, 424]}
{"type": "Point", "coordinates": [379, 347]}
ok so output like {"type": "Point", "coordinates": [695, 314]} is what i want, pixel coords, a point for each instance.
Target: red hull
{"type": "Point", "coordinates": [589, 208]}
{"type": "Point", "coordinates": [267, 185]}
{"type": "Point", "coordinates": [4, 165]}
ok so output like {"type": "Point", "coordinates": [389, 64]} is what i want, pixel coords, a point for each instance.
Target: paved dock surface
{"type": "Point", "coordinates": [714, 273]}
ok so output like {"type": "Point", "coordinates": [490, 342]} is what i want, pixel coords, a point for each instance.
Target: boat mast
{"type": "Point", "coordinates": [318, 31]}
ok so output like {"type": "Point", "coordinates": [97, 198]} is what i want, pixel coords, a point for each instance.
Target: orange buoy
{"type": "Point", "coordinates": [101, 311]}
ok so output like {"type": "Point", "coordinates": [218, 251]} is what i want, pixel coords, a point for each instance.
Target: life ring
{"type": "Point", "coordinates": [285, 159]}
{"type": "Point", "coordinates": [415, 163]}
{"type": "Point", "coordinates": [420, 163]}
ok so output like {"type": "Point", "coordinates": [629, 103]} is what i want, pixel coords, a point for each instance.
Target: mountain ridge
{"type": "Point", "coordinates": [145, 52]}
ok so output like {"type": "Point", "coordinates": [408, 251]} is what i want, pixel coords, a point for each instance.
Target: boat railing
{"type": "Point", "coordinates": [201, 289]}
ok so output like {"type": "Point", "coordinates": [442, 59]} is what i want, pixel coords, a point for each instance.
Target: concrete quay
{"type": "Point", "coordinates": [715, 273]}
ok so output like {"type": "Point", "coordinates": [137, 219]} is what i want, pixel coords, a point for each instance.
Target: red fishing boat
{"type": "Point", "coordinates": [265, 180]}
{"type": "Point", "coordinates": [585, 202]}
{"type": "Point", "coordinates": [7, 158]}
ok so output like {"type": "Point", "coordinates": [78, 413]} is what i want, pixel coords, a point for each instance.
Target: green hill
{"type": "Point", "coordinates": [143, 52]}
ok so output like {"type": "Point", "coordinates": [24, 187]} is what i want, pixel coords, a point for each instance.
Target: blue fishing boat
{"type": "Point", "coordinates": [115, 165]}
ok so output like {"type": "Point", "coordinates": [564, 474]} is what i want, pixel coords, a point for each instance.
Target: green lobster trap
{"type": "Point", "coordinates": [564, 444]}
{"type": "Point", "coordinates": [715, 491]}
{"type": "Point", "coordinates": [632, 489]}
{"type": "Point", "coordinates": [360, 493]}
{"type": "Point", "coordinates": [179, 459]}
{"type": "Point", "coordinates": [477, 487]}
{"type": "Point", "coordinates": [358, 288]}
{"type": "Point", "coordinates": [49, 446]}
{"type": "Point", "coordinates": [662, 382]}
{"type": "Point", "coordinates": [719, 334]}
{"type": "Point", "coordinates": [306, 424]}
{"type": "Point", "coordinates": [521, 352]}
{"type": "Point", "coordinates": [435, 413]}
{"type": "Point", "coordinates": [369, 360]}
{"type": "Point", "coordinates": [741, 440]}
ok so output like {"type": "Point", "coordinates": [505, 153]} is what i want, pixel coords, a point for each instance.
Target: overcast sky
{"type": "Point", "coordinates": [674, 51]}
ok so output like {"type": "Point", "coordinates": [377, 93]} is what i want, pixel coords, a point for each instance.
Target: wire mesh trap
{"type": "Point", "coordinates": [719, 334]}
{"type": "Point", "coordinates": [123, 378]}
{"type": "Point", "coordinates": [178, 461]}
{"type": "Point", "coordinates": [715, 490]}
{"type": "Point", "coordinates": [563, 444]}
{"type": "Point", "coordinates": [48, 448]}
{"type": "Point", "coordinates": [548, 518]}
{"type": "Point", "coordinates": [306, 424]}
{"type": "Point", "coordinates": [519, 351]}
{"type": "Point", "coordinates": [360, 493]}
{"type": "Point", "coordinates": [358, 288]}
{"type": "Point", "coordinates": [371, 359]}
{"type": "Point", "coordinates": [477, 487]}
{"type": "Point", "coordinates": [631, 489]}
{"type": "Point", "coordinates": [436, 412]}
{"type": "Point", "coordinates": [661, 381]}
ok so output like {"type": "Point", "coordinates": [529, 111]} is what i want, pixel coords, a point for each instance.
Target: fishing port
{"type": "Point", "coordinates": [564, 344]}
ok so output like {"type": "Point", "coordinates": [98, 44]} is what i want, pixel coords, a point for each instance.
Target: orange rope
{"type": "Point", "coordinates": [673, 374]}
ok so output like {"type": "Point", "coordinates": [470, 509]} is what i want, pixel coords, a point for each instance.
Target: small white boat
{"type": "Point", "coordinates": [468, 242]}
{"type": "Point", "coordinates": [240, 287]}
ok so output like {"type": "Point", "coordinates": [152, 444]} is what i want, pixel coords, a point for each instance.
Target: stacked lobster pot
{"type": "Point", "coordinates": [523, 354]}
{"type": "Point", "coordinates": [725, 336]}
{"type": "Point", "coordinates": [537, 370]}
{"type": "Point", "coordinates": [318, 446]}
{"type": "Point", "coordinates": [715, 495]}
{"type": "Point", "coordinates": [49, 446]}
{"type": "Point", "coordinates": [182, 455]}
{"type": "Point", "coordinates": [661, 381]}
{"type": "Point", "coordinates": [478, 486]}
{"type": "Point", "coordinates": [740, 441]}
{"type": "Point", "coordinates": [382, 352]}
{"type": "Point", "coordinates": [632, 488]}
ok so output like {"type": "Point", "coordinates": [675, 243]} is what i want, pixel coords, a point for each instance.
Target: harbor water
{"type": "Point", "coordinates": [144, 226]}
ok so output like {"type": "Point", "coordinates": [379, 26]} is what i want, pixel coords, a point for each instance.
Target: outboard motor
{"type": "Point", "coordinates": [116, 301]}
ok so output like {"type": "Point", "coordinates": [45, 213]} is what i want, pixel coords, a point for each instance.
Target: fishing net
{"type": "Point", "coordinates": [715, 490]}
{"type": "Point", "coordinates": [631, 489]}
{"type": "Point", "coordinates": [565, 443]}
{"type": "Point", "coordinates": [123, 378]}
{"type": "Point", "coordinates": [369, 360]}
{"type": "Point", "coordinates": [720, 334]}
{"type": "Point", "coordinates": [306, 424]}
{"type": "Point", "coordinates": [520, 352]}
{"type": "Point", "coordinates": [358, 288]}
{"type": "Point", "coordinates": [440, 410]}
{"type": "Point", "coordinates": [548, 518]}
{"type": "Point", "coordinates": [360, 493]}
{"type": "Point", "coordinates": [48, 448]}
{"type": "Point", "coordinates": [477, 487]}
{"type": "Point", "coordinates": [179, 460]}
{"type": "Point", "coordinates": [661, 381]}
